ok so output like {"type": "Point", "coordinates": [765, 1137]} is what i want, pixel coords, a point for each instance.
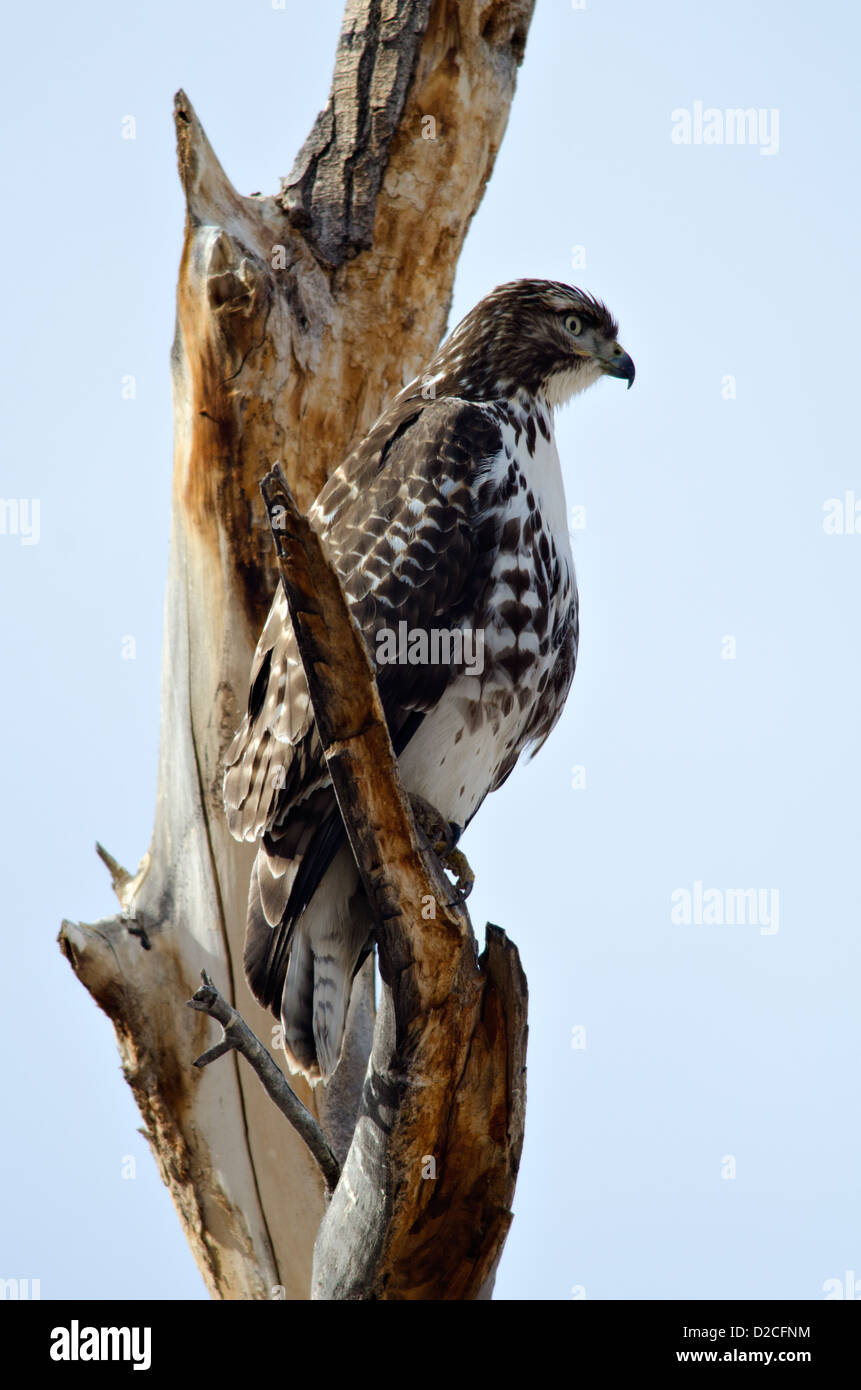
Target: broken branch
{"type": "Point", "coordinates": [238, 1037]}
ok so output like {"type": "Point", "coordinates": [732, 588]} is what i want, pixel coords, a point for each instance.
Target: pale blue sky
{"type": "Point", "coordinates": [704, 520]}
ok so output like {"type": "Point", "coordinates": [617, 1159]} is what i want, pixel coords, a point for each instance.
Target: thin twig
{"type": "Point", "coordinates": [238, 1037]}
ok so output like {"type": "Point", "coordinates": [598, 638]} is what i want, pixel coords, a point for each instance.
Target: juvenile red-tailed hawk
{"type": "Point", "coordinates": [449, 518]}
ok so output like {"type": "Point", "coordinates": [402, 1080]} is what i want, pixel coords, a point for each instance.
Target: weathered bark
{"type": "Point", "coordinates": [297, 318]}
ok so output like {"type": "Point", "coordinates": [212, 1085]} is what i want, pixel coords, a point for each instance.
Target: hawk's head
{"type": "Point", "coordinates": [533, 336]}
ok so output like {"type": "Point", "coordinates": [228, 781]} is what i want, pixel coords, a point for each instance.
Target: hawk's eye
{"type": "Point", "coordinates": [574, 325]}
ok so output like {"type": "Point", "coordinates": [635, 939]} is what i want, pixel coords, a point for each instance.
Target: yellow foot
{"type": "Point", "coordinates": [443, 840]}
{"type": "Point", "coordinates": [457, 863]}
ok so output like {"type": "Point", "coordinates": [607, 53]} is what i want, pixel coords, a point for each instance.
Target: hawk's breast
{"type": "Point", "coordinates": [527, 626]}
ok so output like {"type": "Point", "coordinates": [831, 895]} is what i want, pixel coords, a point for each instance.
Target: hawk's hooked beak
{"type": "Point", "coordinates": [618, 364]}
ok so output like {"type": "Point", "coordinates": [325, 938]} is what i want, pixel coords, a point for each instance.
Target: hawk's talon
{"type": "Point", "coordinates": [457, 863]}
{"type": "Point", "coordinates": [442, 836]}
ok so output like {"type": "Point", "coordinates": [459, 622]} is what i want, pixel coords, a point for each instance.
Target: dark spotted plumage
{"type": "Point", "coordinates": [450, 515]}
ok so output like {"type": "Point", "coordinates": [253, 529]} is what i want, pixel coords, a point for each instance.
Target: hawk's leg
{"type": "Point", "coordinates": [458, 864]}
{"type": "Point", "coordinates": [442, 837]}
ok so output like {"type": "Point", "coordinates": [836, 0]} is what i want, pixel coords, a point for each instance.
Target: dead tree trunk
{"type": "Point", "coordinates": [298, 317]}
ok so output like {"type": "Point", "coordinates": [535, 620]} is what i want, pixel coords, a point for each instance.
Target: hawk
{"type": "Point", "coordinates": [449, 518]}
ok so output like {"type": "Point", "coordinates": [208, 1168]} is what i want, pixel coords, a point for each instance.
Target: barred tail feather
{"type": "Point", "coordinates": [329, 943]}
